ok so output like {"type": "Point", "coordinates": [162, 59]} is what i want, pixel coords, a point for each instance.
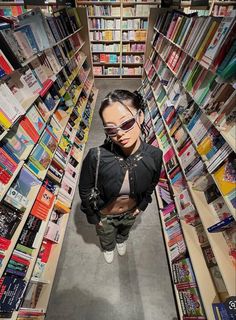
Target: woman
{"type": "Point", "coordinates": [128, 171]}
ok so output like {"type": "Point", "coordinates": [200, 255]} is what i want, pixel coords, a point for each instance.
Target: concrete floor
{"type": "Point", "coordinates": [134, 287]}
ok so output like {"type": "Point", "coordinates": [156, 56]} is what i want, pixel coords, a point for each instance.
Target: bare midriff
{"type": "Point", "coordinates": [120, 205]}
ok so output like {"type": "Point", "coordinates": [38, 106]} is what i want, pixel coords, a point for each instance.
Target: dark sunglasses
{"type": "Point", "coordinates": [124, 126]}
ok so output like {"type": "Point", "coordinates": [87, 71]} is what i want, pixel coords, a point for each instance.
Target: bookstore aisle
{"type": "Point", "coordinates": [134, 287]}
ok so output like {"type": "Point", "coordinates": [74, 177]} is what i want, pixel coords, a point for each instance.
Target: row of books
{"type": "Point", "coordinates": [131, 71]}
{"type": "Point", "coordinates": [107, 35]}
{"type": "Point", "coordinates": [134, 35]}
{"type": "Point", "coordinates": [100, 47]}
{"type": "Point", "coordinates": [199, 128]}
{"type": "Point", "coordinates": [106, 10]}
{"type": "Point", "coordinates": [188, 154]}
{"type": "Point", "coordinates": [222, 10]}
{"type": "Point", "coordinates": [139, 10]}
{"type": "Point", "coordinates": [100, 23]}
{"type": "Point", "coordinates": [210, 47]}
{"type": "Point", "coordinates": [23, 254]}
{"type": "Point", "coordinates": [20, 195]}
{"type": "Point", "coordinates": [114, 58]}
{"type": "Point", "coordinates": [105, 58]}
{"type": "Point", "coordinates": [132, 58]}
{"type": "Point", "coordinates": [134, 47]}
{"type": "Point", "coordinates": [36, 79]}
{"type": "Point", "coordinates": [182, 271]}
{"type": "Point", "coordinates": [200, 85]}
{"type": "Point", "coordinates": [37, 33]}
{"type": "Point", "coordinates": [12, 11]}
{"type": "Point", "coordinates": [185, 282]}
{"type": "Point", "coordinates": [134, 24]}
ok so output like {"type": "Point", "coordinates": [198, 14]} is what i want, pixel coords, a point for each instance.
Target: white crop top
{"type": "Point", "coordinates": [125, 188]}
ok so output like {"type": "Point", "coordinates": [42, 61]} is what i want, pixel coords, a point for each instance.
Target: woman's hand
{"type": "Point", "coordinates": [136, 212]}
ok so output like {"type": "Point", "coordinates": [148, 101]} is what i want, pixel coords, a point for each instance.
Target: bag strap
{"type": "Point", "coordinates": [98, 162]}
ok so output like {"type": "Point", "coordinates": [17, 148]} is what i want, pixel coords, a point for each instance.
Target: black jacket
{"type": "Point", "coordinates": [144, 172]}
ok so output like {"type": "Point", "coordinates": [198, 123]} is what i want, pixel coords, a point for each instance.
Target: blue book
{"type": "Point", "coordinates": [26, 29]}
{"type": "Point", "coordinates": [222, 225]}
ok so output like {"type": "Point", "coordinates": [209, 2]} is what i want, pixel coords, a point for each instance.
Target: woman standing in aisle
{"type": "Point", "coordinates": [127, 172]}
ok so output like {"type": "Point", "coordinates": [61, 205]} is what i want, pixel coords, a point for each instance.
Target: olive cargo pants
{"type": "Point", "coordinates": [114, 229]}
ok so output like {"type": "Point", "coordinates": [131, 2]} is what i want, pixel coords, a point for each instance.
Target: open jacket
{"type": "Point", "coordinates": [144, 171]}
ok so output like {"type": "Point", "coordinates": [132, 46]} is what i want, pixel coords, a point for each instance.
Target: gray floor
{"type": "Point", "coordinates": [134, 287]}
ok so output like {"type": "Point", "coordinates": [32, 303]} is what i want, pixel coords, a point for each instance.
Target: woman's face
{"type": "Point", "coordinates": [115, 114]}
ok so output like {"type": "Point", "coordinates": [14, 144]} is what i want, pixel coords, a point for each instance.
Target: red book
{"type": "Point", "coordinates": [20, 260]}
{"type": "Point", "coordinates": [185, 147]}
{"type": "Point", "coordinates": [5, 64]}
{"type": "Point", "coordinates": [29, 128]}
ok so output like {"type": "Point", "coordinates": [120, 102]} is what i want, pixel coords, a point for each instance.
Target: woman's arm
{"type": "Point", "coordinates": [86, 183]}
{"type": "Point", "coordinates": [158, 163]}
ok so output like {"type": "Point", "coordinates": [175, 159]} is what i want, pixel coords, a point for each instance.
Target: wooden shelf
{"type": "Point", "coordinates": [51, 265]}
{"type": "Point", "coordinates": [136, 17]}
{"type": "Point", "coordinates": [115, 52]}
{"type": "Point", "coordinates": [27, 103]}
{"type": "Point", "coordinates": [131, 75]}
{"type": "Point", "coordinates": [132, 52]}
{"type": "Point", "coordinates": [115, 3]}
{"type": "Point", "coordinates": [105, 17]}
{"type": "Point", "coordinates": [128, 3]}
{"type": "Point", "coordinates": [106, 41]}
{"type": "Point", "coordinates": [202, 273]}
{"type": "Point", "coordinates": [105, 64]}
{"type": "Point", "coordinates": [217, 241]}
{"type": "Point", "coordinates": [159, 200]}
{"type": "Point", "coordinates": [107, 76]}
{"type": "Point", "coordinates": [106, 29]}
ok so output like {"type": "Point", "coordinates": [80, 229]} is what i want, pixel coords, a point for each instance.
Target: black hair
{"type": "Point", "coordinates": [136, 98]}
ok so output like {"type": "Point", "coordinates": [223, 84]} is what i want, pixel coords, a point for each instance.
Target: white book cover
{"type": "Point", "coordinates": [11, 105]}
{"type": "Point", "coordinates": [35, 20]}
{"type": "Point", "coordinates": [23, 44]}
{"type": "Point", "coordinates": [29, 80]}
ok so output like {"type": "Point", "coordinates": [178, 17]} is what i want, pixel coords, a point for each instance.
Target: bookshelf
{"type": "Point", "coordinates": [120, 28]}
{"type": "Point", "coordinates": [180, 119]}
{"type": "Point", "coordinates": [52, 96]}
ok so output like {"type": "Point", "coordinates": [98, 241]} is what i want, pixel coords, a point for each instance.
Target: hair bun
{"type": "Point", "coordinates": [140, 100]}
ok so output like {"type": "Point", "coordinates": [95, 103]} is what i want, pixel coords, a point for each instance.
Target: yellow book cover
{"type": "Point", "coordinates": [4, 121]}
{"type": "Point", "coordinates": [225, 178]}
{"type": "Point", "coordinates": [60, 206]}
{"type": "Point", "coordinates": [205, 146]}
{"type": "Point", "coordinates": [207, 40]}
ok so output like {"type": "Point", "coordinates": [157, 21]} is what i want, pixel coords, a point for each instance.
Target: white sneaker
{"type": "Point", "coordinates": [121, 248]}
{"type": "Point", "coordinates": [108, 255]}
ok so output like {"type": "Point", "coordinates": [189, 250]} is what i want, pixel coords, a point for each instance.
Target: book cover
{"type": "Point", "coordinates": [12, 291]}
{"type": "Point", "coordinates": [222, 225]}
{"type": "Point", "coordinates": [226, 178]}
{"type": "Point", "coordinates": [17, 141]}
{"type": "Point", "coordinates": [40, 157]}
{"type": "Point", "coordinates": [17, 195]}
